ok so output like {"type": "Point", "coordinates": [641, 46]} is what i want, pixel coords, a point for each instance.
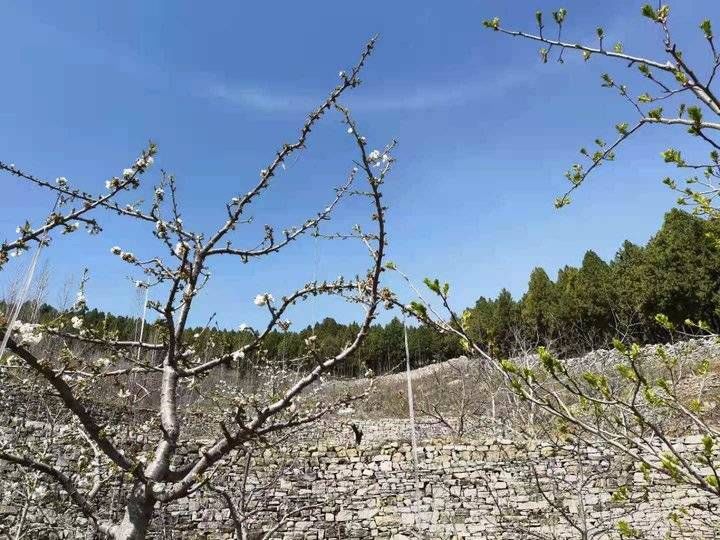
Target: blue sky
{"type": "Point", "coordinates": [485, 133]}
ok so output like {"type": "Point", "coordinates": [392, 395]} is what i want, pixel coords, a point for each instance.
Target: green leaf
{"type": "Point", "coordinates": [622, 128]}
{"type": "Point", "coordinates": [508, 366]}
{"type": "Point", "coordinates": [671, 155]}
{"type": "Point", "coordinates": [627, 372]}
{"type": "Point", "coordinates": [706, 27]}
{"type": "Point", "coordinates": [695, 114]}
{"type": "Point", "coordinates": [433, 285]}
{"type": "Point", "coordinates": [655, 114]}
{"type": "Point", "coordinates": [493, 23]}
{"type": "Point", "coordinates": [626, 530]}
{"type": "Point", "coordinates": [712, 480]}
{"type": "Point", "coordinates": [620, 494]}
{"type": "Point", "coordinates": [663, 320]}
{"type": "Point", "coordinates": [597, 382]}
{"type": "Point", "coordinates": [418, 309]}
{"type": "Point", "coordinates": [560, 15]}
{"type": "Point", "coordinates": [600, 32]}
{"type": "Point", "coordinates": [649, 12]}
{"type": "Point", "coordinates": [645, 98]}
{"type": "Point", "coordinates": [670, 464]}
{"type": "Point", "coordinates": [681, 77]}
{"type": "Point", "coordinates": [576, 174]}
{"type": "Point", "coordinates": [560, 202]}
{"type": "Point", "coordinates": [618, 47]}
{"type": "Point", "coordinates": [538, 18]}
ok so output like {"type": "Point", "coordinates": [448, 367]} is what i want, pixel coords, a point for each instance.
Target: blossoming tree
{"type": "Point", "coordinates": [179, 271]}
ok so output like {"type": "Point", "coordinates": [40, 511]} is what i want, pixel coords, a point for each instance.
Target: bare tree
{"type": "Point", "coordinates": [449, 396]}
{"type": "Point", "coordinates": [568, 498]}
{"type": "Point", "coordinates": [248, 503]}
{"type": "Point", "coordinates": [179, 271]}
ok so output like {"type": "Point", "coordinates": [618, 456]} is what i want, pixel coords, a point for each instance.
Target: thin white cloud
{"type": "Point", "coordinates": [254, 98]}
{"type": "Point", "coordinates": [416, 98]}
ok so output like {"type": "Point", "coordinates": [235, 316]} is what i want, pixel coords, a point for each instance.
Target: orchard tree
{"type": "Point", "coordinates": [631, 405]}
{"type": "Point", "coordinates": [678, 93]}
{"type": "Point", "coordinates": [176, 273]}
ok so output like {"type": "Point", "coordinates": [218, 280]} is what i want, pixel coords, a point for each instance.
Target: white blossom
{"type": "Point", "coordinates": [159, 192]}
{"type": "Point", "coordinates": [161, 228]}
{"type": "Point", "coordinates": [61, 181]}
{"type": "Point", "coordinates": [262, 299]}
{"type": "Point", "coordinates": [26, 333]}
{"type": "Point", "coordinates": [350, 130]}
{"type": "Point", "coordinates": [243, 327]}
{"type": "Point", "coordinates": [127, 173]}
{"type": "Point", "coordinates": [180, 249]}
{"type": "Point", "coordinates": [144, 162]}
{"type": "Point", "coordinates": [102, 362]}
{"type": "Point", "coordinates": [80, 301]}
{"type": "Point", "coordinates": [76, 322]}
{"type": "Point", "coordinates": [115, 250]}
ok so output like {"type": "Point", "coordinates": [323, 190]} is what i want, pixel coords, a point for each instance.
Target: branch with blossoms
{"type": "Point", "coordinates": [174, 276]}
{"type": "Point", "coordinates": [80, 205]}
{"type": "Point", "coordinates": [670, 79]}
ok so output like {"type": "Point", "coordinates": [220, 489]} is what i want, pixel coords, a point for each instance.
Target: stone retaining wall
{"type": "Point", "coordinates": [372, 491]}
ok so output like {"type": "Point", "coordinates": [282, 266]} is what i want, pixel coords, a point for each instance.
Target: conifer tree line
{"type": "Point", "coordinates": [676, 274]}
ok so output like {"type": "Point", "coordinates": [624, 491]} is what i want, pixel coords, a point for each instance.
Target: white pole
{"type": "Point", "coordinates": [411, 406]}
{"type": "Point", "coordinates": [142, 322]}
{"type": "Point", "coordinates": [21, 296]}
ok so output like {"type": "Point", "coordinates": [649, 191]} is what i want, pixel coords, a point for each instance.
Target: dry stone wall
{"type": "Point", "coordinates": [482, 487]}
{"type": "Point", "coordinates": [460, 490]}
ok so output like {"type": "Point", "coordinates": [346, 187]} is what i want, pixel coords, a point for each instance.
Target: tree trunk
{"type": "Point", "coordinates": [138, 514]}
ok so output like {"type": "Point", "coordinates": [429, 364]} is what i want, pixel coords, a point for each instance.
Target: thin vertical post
{"type": "Point", "coordinates": [411, 406]}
